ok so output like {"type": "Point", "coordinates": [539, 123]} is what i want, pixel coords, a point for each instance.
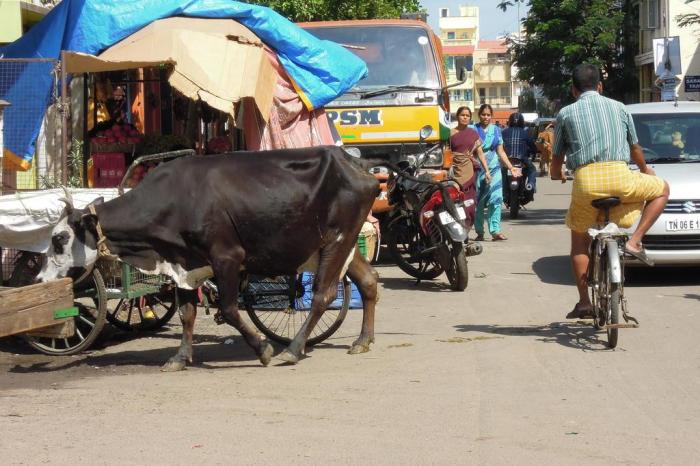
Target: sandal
{"type": "Point", "coordinates": [580, 312]}
{"type": "Point", "coordinates": [498, 237]}
{"type": "Point", "coordinates": [479, 237]}
{"type": "Point", "coordinates": [641, 255]}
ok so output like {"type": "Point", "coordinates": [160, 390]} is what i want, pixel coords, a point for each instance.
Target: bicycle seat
{"type": "Point", "coordinates": [605, 202]}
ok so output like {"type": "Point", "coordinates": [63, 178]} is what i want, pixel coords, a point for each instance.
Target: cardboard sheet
{"type": "Point", "coordinates": [217, 60]}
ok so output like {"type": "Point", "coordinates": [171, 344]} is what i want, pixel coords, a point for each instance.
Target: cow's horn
{"type": "Point", "coordinates": [69, 198]}
{"type": "Point", "coordinates": [69, 205]}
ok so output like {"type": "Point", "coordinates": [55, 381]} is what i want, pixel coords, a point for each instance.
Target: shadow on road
{"type": "Point", "coordinates": [555, 270]}
{"type": "Point", "coordinates": [578, 335]}
{"type": "Point", "coordinates": [537, 217]}
{"type": "Point", "coordinates": [207, 349]}
{"type": "Point", "coordinates": [410, 283]}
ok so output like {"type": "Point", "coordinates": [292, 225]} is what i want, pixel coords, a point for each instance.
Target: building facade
{"type": "Point", "coordinates": [488, 64]}
{"type": "Point", "coordinates": [657, 20]}
{"type": "Point", "coordinates": [459, 35]}
{"type": "Point", "coordinates": [17, 16]}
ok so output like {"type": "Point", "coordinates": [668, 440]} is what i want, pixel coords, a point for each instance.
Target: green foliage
{"type": "Point", "coordinates": [75, 169]}
{"type": "Point", "coordinates": [561, 34]}
{"type": "Point", "coordinates": [688, 19]}
{"type": "Point", "coordinates": [328, 10]}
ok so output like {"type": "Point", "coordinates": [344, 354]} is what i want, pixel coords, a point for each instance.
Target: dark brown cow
{"type": "Point", "coordinates": [263, 212]}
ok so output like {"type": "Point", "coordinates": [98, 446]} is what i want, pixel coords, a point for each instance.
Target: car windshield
{"type": "Point", "coordinates": [669, 138]}
{"type": "Point", "coordinates": [395, 55]}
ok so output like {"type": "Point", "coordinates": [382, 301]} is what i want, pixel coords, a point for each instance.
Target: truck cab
{"type": "Point", "coordinates": [406, 89]}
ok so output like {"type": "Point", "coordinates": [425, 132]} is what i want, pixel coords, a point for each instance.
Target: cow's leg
{"type": "Point", "coordinates": [228, 278]}
{"type": "Point", "coordinates": [188, 313]}
{"type": "Point", "coordinates": [365, 278]}
{"type": "Point", "coordinates": [325, 285]}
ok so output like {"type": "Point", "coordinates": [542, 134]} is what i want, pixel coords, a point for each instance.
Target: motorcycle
{"type": "Point", "coordinates": [428, 226]}
{"type": "Point", "coordinates": [517, 192]}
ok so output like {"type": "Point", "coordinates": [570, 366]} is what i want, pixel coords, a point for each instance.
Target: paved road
{"type": "Point", "coordinates": [493, 375]}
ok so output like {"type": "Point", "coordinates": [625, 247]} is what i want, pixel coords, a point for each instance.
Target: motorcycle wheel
{"type": "Point", "coordinates": [514, 205]}
{"type": "Point", "coordinates": [403, 242]}
{"type": "Point", "coordinates": [458, 272]}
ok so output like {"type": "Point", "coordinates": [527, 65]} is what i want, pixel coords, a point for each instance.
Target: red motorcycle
{"type": "Point", "coordinates": [428, 226]}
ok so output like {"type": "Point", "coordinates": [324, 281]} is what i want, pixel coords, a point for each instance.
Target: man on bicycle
{"type": "Point", "coordinates": [597, 136]}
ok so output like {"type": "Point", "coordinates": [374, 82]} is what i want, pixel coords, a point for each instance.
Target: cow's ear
{"type": "Point", "coordinates": [89, 222]}
{"type": "Point", "coordinates": [97, 201]}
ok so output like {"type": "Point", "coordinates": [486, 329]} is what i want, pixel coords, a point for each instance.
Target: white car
{"type": "Point", "coordinates": [669, 132]}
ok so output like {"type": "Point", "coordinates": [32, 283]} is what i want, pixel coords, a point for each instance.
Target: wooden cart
{"type": "Point", "coordinates": [43, 309]}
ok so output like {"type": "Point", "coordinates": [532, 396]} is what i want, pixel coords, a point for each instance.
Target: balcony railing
{"type": "Point", "coordinates": [495, 101]}
{"type": "Point", "coordinates": [446, 41]}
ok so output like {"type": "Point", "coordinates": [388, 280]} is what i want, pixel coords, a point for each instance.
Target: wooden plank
{"type": "Point", "coordinates": [31, 307]}
{"type": "Point", "coordinates": [63, 330]}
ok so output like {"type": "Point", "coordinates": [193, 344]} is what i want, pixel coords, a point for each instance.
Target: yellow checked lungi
{"type": "Point", "coordinates": [606, 179]}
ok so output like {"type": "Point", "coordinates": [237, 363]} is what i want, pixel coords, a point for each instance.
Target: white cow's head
{"type": "Point", "coordinates": [73, 245]}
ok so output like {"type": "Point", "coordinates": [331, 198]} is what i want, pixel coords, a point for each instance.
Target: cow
{"type": "Point", "coordinates": [266, 213]}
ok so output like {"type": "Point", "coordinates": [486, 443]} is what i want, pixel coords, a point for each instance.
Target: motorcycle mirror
{"type": "Point", "coordinates": [425, 132]}
{"type": "Point", "coordinates": [462, 75]}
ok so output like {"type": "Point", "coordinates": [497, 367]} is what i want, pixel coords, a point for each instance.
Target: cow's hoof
{"type": "Point", "coordinates": [173, 365]}
{"type": "Point", "coordinates": [360, 346]}
{"type": "Point", "coordinates": [357, 348]}
{"type": "Point", "coordinates": [288, 357]}
{"type": "Point", "coordinates": [266, 352]}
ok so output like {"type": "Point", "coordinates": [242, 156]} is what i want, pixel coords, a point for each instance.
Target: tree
{"type": "Point", "coordinates": [328, 10]}
{"type": "Point", "coordinates": [688, 19]}
{"type": "Point", "coordinates": [560, 34]}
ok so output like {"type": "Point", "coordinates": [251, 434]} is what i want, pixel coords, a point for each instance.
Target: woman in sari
{"type": "Point", "coordinates": [464, 142]}
{"type": "Point", "coordinates": [490, 194]}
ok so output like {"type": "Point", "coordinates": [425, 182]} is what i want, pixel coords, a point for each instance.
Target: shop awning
{"type": "Point", "coordinates": [217, 60]}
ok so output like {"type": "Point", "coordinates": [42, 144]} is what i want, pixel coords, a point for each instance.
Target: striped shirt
{"type": "Point", "coordinates": [593, 129]}
{"type": "Point", "coordinates": [517, 143]}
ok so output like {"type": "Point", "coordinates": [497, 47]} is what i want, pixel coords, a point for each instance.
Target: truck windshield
{"type": "Point", "coordinates": [395, 55]}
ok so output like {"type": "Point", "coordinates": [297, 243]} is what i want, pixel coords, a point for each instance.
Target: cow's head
{"type": "Point", "coordinates": [73, 245]}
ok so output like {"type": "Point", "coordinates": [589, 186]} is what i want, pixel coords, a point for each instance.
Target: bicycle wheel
{"type": "Point", "coordinates": [90, 297]}
{"type": "Point", "coordinates": [279, 311]}
{"type": "Point", "coordinates": [598, 281]}
{"type": "Point", "coordinates": [614, 314]}
{"type": "Point", "coordinates": [145, 313]}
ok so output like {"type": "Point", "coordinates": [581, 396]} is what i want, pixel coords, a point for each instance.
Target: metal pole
{"type": "Point", "coordinates": [86, 140]}
{"type": "Point", "coordinates": [64, 120]}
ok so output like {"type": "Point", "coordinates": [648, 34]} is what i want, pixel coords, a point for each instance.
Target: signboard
{"type": "Point", "coordinates": [662, 54]}
{"type": "Point", "coordinates": [692, 83]}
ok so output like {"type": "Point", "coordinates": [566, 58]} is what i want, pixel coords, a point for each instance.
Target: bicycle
{"type": "Point", "coordinates": [606, 274]}
{"type": "Point", "coordinates": [279, 306]}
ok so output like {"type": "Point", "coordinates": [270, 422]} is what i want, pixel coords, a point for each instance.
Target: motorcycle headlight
{"type": "Point", "coordinates": [432, 158]}
{"type": "Point", "coordinates": [353, 151]}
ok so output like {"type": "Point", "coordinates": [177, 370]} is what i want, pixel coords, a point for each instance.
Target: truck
{"type": "Point", "coordinates": [406, 89]}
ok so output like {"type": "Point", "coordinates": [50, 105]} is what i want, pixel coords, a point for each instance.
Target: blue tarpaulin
{"type": "Point", "coordinates": [320, 70]}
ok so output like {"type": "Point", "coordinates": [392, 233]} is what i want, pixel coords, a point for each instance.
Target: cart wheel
{"type": "Point", "coordinates": [144, 313]}
{"type": "Point", "coordinates": [90, 297]}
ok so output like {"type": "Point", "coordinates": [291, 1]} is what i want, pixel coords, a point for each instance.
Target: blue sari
{"type": "Point", "coordinates": [490, 195]}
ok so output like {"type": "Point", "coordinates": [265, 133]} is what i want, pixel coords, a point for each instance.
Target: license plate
{"type": "Point", "coordinates": [683, 224]}
{"type": "Point", "coordinates": [446, 218]}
